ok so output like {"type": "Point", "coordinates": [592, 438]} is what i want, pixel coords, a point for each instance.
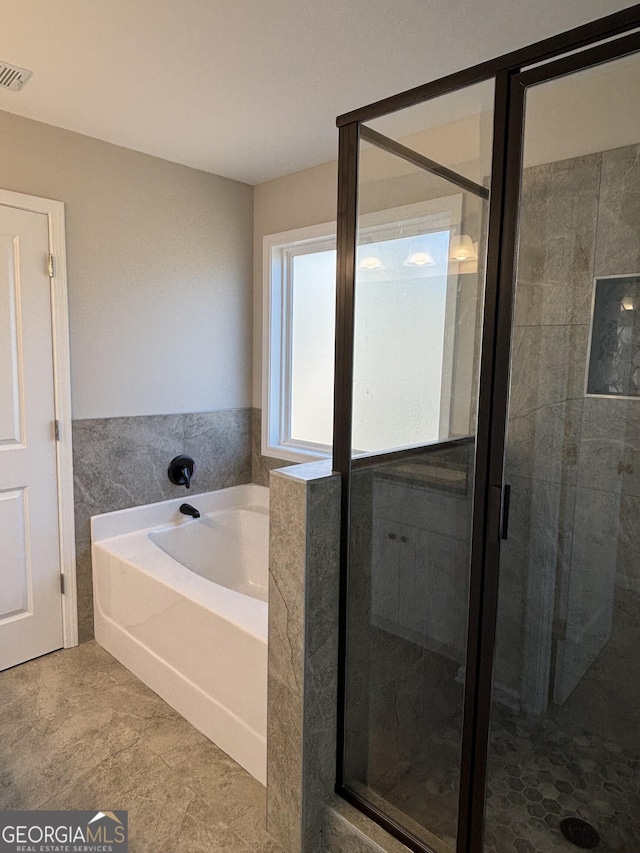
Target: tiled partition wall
{"type": "Point", "coordinates": [303, 813]}
{"type": "Point", "coordinates": [122, 462]}
{"type": "Point", "coordinates": [303, 651]}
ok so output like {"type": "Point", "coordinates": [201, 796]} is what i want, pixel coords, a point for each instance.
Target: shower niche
{"type": "Point", "coordinates": [614, 358]}
{"type": "Point", "coordinates": [490, 597]}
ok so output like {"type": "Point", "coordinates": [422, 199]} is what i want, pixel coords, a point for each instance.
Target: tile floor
{"type": "Point", "coordinates": [581, 759]}
{"type": "Point", "coordinates": [539, 774]}
{"type": "Point", "coordinates": [79, 731]}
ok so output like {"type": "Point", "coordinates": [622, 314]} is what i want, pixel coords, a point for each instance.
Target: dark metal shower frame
{"type": "Point", "coordinates": [512, 74]}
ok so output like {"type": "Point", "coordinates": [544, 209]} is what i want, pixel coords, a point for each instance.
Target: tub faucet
{"type": "Point", "coordinates": [181, 470]}
{"type": "Point", "coordinates": [187, 509]}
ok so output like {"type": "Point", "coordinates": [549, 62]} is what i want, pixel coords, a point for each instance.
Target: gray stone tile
{"type": "Point", "coordinates": [41, 685]}
{"type": "Point", "coordinates": [559, 215]}
{"type": "Point", "coordinates": [548, 366]}
{"type": "Point", "coordinates": [284, 766]}
{"type": "Point", "coordinates": [628, 564]}
{"type": "Point", "coordinates": [534, 564]}
{"type": "Point", "coordinates": [169, 737]}
{"type": "Point", "coordinates": [163, 814]}
{"type": "Point", "coordinates": [287, 555]}
{"type": "Point", "coordinates": [544, 443]}
{"type": "Point", "coordinates": [322, 585]}
{"type": "Point", "coordinates": [630, 468]}
{"type": "Point", "coordinates": [84, 582]}
{"type": "Point", "coordinates": [321, 688]}
{"type": "Point", "coordinates": [319, 775]}
{"type": "Point", "coordinates": [58, 749]}
{"type": "Point", "coordinates": [603, 444]}
{"type": "Point", "coordinates": [220, 445]}
{"type": "Point", "coordinates": [340, 836]}
{"type": "Point", "coordinates": [227, 789]}
{"type": "Point", "coordinates": [78, 708]}
{"type": "Point", "coordinates": [198, 831]}
{"type": "Point", "coordinates": [251, 825]}
{"type": "Point", "coordinates": [587, 608]}
{"type": "Point", "coordinates": [356, 735]}
{"type": "Point", "coordinates": [81, 732]}
{"type": "Point", "coordinates": [323, 502]}
{"type": "Point", "coordinates": [347, 829]}
{"type": "Point", "coordinates": [122, 462]}
{"type": "Point", "coordinates": [617, 249]}
{"type": "Point", "coordinates": [117, 463]}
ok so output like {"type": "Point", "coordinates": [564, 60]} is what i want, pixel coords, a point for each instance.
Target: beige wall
{"type": "Point", "coordinates": [159, 265]}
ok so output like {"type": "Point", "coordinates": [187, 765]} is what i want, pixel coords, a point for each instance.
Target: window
{"type": "Point", "coordinates": [406, 308]}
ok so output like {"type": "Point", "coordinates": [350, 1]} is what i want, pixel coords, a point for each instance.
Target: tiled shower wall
{"type": "Point", "coordinates": [573, 461]}
{"type": "Point", "coordinates": [122, 462]}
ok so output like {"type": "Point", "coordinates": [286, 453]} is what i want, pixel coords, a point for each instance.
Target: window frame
{"type": "Point", "coordinates": [278, 250]}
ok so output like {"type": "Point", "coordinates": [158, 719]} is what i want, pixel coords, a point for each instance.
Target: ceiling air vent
{"type": "Point", "coordinates": [12, 77]}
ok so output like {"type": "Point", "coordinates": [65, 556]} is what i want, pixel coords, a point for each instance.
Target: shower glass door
{"type": "Point", "coordinates": [564, 749]}
{"type": "Point", "coordinates": [423, 195]}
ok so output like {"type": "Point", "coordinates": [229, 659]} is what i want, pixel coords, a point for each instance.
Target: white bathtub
{"type": "Point", "coordinates": [182, 603]}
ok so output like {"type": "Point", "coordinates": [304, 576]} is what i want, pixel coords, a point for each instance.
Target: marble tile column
{"type": "Point", "coordinates": [303, 652]}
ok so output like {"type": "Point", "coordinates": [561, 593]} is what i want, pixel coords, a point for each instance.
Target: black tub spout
{"type": "Point", "coordinates": [187, 509]}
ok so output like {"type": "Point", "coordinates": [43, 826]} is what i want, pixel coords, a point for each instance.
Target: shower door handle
{"type": "Point", "coordinates": [499, 512]}
{"type": "Point", "coordinates": [504, 511]}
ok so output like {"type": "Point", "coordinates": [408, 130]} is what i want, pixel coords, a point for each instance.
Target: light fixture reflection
{"type": "Point", "coordinates": [370, 263]}
{"type": "Point", "coordinates": [627, 303]}
{"type": "Point", "coordinates": [419, 259]}
{"type": "Point", "coordinates": [463, 248]}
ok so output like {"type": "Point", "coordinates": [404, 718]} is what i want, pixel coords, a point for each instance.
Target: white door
{"type": "Point", "coordinates": [30, 594]}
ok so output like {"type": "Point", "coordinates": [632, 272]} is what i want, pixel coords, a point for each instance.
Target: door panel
{"type": "Point", "coordinates": [30, 597]}
{"type": "Point", "coordinates": [419, 298]}
{"type": "Point", "coordinates": [10, 380]}
{"type": "Point", "coordinates": [14, 592]}
{"type": "Point", "coordinates": [564, 748]}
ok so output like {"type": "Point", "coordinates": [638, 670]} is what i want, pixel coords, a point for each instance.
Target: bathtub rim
{"type": "Point", "coordinates": [108, 525]}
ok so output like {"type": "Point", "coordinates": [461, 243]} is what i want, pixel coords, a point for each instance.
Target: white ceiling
{"type": "Point", "coordinates": [249, 89]}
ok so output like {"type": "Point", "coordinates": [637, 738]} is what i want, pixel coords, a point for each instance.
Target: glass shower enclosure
{"type": "Point", "coordinates": [487, 429]}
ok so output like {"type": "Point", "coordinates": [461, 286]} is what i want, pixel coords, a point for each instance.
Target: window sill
{"type": "Point", "coordinates": [292, 454]}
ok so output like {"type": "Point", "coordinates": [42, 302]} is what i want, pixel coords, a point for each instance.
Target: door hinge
{"type": "Point", "coordinates": [51, 267]}
{"type": "Point", "coordinates": [56, 428]}
{"type": "Point", "coordinates": [62, 584]}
